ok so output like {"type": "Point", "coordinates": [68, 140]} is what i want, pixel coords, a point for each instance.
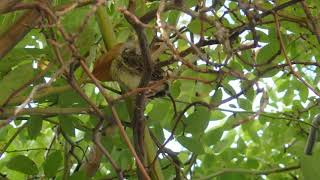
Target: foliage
{"type": "Point", "coordinates": [243, 79]}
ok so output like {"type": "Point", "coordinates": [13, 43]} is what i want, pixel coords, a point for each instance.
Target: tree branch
{"type": "Point", "coordinates": [248, 171]}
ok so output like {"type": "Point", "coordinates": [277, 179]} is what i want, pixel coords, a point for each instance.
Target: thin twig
{"type": "Point", "coordinates": [283, 49]}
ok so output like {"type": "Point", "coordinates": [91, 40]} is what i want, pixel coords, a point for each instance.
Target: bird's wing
{"type": "Point", "coordinates": [101, 69]}
{"type": "Point", "coordinates": [134, 63]}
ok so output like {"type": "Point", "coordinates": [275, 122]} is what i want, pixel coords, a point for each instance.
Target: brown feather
{"type": "Point", "coordinates": [101, 69]}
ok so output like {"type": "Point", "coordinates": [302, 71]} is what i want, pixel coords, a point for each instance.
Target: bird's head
{"type": "Point", "coordinates": [131, 47]}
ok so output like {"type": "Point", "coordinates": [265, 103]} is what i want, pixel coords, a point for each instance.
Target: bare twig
{"type": "Point", "coordinates": [283, 49]}
{"type": "Point", "coordinates": [6, 146]}
{"type": "Point", "coordinates": [249, 171]}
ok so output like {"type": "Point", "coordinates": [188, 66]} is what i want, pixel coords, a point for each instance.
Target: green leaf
{"type": "Point", "coordinates": [283, 84]}
{"type": "Point", "coordinates": [267, 52]}
{"type": "Point", "coordinates": [175, 89]}
{"type": "Point", "coordinates": [192, 144]}
{"type": "Point", "coordinates": [14, 80]}
{"type": "Point", "coordinates": [235, 65]}
{"type": "Point", "coordinates": [309, 166]}
{"type": "Point", "coordinates": [213, 136]}
{"type": "Point", "coordinates": [218, 4]}
{"type": "Point", "coordinates": [263, 37]}
{"type": "Point", "coordinates": [246, 56]}
{"type": "Point", "coordinates": [32, 39]}
{"type": "Point", "coordinates": [229, 89]}
{"type": "Point", "coordinates": [73, 21]}
{"type": "Point", "coordinates": [197, 122]}
{"type": "Point", "coordinates": [216, 98]}
{"type": "Point", "coordinates": [231, 175]}
{"type": "Point", "coordinates": [80, 175]}
{"type": "Point", "coordinates": [126, 159]}
{"type": "Point", "coordinates": [245, 104]}
{"type": "Point", "coordinates": [188, 87]}
{"type": "Point", "coordinates": [217, 115]}
{"type": "Point", "coordinates": [190, 4]}
{"type": "Point", "coordinates": [195, 27]}
{"type": "Point", "coordinates": [226, 142]}
{"type": "Point", "coordinates": [224, 137]}
{"type": "Point", "coordinates": [241, 145]}
{"type": "Point", "coordinates": [121, 108]}
{"type": "Point", "coordinates": [298, 148]}
{"type": "Point", "coordinates": [173, 17]}
{"type": "Point", "coordinates": [250, 92]}
{"type": "Point", "coordinates": [271, 70]}
{"type": "Point", "coordinates": [16, 56]}
{"type": "Point", "coordinates": [302, 89]}
{"type": "Point", "coordinates": [4, 131]}
{"type": "Point", "coordinates": [163, 108]}
{"type": "Point", "coordinates": [52, 164]}
{"type": "Point", "coordinates": [34, 126]}
{"type": "Point", "coordinates": [158, 132]}
{"type": "Point", "coordinates": [123, 35]}
{"type": "Point", "coordinates": [67, 125]}
{"type": "Point", "coordinates": [71, 98]}
{"type": "Point", "coordinates": [287, 99]}
{"type": "Point", "coordinates": [250, 130]}
{"type": "Point", "coordinates": [23, 164]}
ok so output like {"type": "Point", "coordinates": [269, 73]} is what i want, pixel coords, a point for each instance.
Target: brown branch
{"type": "Point", "coordinates": [277, 8]}
{"type": "Point", "coordinates": [49, 111]}
{"type": "Point", "coordinates": [179, 118]}
{"type": "Point", "coordinates": [173, 157]}
{"type": "Point", "coordinates": [138, 116]}
{"type": "Point", "coordinates": [96, 138]}
{"type": "Point", "coordinates": [152, 13]}
{"type": "Point", "coordinates": [6, 146]}
{"type": "Point", "coordinates": [25, 23]}
{"type": "Point", "coordinates": [139, 90]}
{"type": "Point", "coordinates": [53, 19]}
{"type": "Point", "coordinates": [97, 141]}
{"type": "Point", "coordinates": [133, 18]}
{"type": "Point", "coordinates": [204, 81]}
{"type": "Point", "coordinates": [73, 145]}
{"type": "Point", "coordinates": [116, 119]}
{"type": "Point", "coordinates": [18, 30]}
{"type": "Point", "coordinates": [34, 91]}
{"type": "Point", "coordinates": [313, 133]}
{"type": "Point", "coordinates": [61, 10]}
{"type": "Point", "coordinates": [313, 21]}
{"type": "Point", "coordinates": [5, 5]}
{"type": "Point", "coordinates": [70, 40]}
{"type": "Point", "coordinates": [288, 61]}
{"type": "Point", "coordinates": [91, 166]}
{"type": "Point", "coordinates": [27, 84]}
{"type": "Point", "coordinates": [41, 93]}
{"type": "Point", "coordinates": [249, 171]}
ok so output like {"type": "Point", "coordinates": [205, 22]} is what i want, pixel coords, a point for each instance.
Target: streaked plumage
{"type": "Point", "coordinates": [124, 64]}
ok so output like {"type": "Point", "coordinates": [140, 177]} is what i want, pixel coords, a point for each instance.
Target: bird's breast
{"type": "Point", "coordinates": [124, 74]}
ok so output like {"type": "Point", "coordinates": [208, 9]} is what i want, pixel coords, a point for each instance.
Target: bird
{"type": "Point", "coordinates": [123, 63]}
